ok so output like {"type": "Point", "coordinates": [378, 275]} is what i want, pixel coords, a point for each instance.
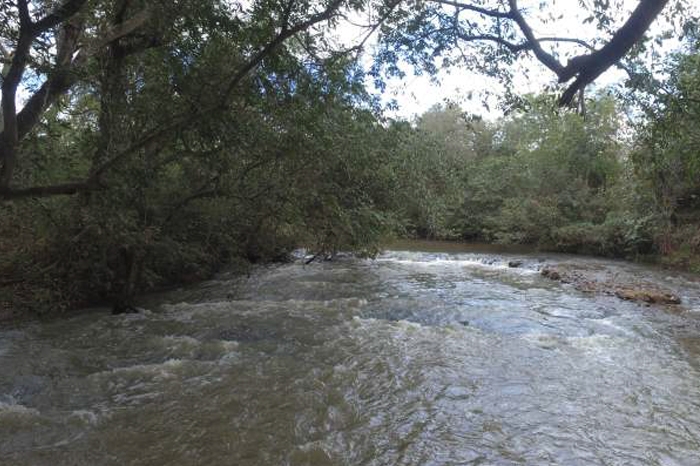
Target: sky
{"type": "Point", "coordinates": [416, 94]}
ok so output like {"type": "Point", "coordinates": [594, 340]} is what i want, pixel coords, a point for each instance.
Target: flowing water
{"type": "Point", "coordinates": [440, 357]}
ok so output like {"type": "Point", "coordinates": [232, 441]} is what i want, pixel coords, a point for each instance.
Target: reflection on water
{"type": "Point", "coordinates": [417, 358]}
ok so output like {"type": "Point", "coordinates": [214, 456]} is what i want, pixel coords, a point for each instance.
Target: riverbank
{"type": "Point", "coordinates": [24, 300]}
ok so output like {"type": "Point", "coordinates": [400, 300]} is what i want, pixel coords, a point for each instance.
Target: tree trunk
{"type": "Point", "coordinates": [125, 302]}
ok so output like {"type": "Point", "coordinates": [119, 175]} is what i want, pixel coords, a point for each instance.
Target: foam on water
{"type": "Point", "coordinates": [178, 341]}
{"type": "Point", "coordinates": [164, 370]}
{"type": "Point", "coordinates": [84, 417]}
{"type": "Point", "coordinates": [13, 409]}
{"type": "Point", "coordinates": [457, 262]}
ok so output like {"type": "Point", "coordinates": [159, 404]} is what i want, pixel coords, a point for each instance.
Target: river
{"type": "Point", "coordinates": [428, 355]}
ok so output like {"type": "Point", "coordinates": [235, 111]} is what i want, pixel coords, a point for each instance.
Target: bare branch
{"type": "Point", "coordinates": [476, 9]}
{"type": "Point", "coordinates": [523, 46]}
{"type": "Point", "coordinates": [66, 72]}
{"type": "Point", "coordinates": [588, 46]}
{"type": "Point", "coordinates": [10, 82]}
{"type": "Point", "coordinates": [374, 27]}
{"type": "Point", "coordinates": [572, 40]}
{"type": "Point", "coordinates": [28, 32]}
{"type": "Point", "coordinates": [59, 79]}
{"type": "Point", "coordinates": [513, 48]}
{"type": "Point", "coordinates": [547, 59]}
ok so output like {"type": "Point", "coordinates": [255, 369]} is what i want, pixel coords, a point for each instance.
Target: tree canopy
{"type": "Point", "coordinates": [52, 51]}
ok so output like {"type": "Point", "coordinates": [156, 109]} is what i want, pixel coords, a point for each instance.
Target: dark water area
{"type": "Point", "coordinates": [432, 354]}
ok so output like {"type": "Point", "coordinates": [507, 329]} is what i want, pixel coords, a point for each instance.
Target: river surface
{"type": "Point", "coordinates": [444, 356]}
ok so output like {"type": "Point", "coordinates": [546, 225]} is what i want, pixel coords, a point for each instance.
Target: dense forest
{"type": "Point", "coordinates": [157, 142]}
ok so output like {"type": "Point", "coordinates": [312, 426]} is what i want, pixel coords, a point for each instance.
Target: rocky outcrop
{"type": "Point", "coordinates": [550, 273]}
{"type": "Point", "coordinates": [639, 292]}
{"type": "Point", "coordinates": [647, 296]}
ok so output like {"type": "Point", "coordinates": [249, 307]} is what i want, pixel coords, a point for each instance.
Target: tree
{"type": "Point", "coordinates": [59, 45]}
{"type": "Point", "coordinates": [668, 154]}
{"type": "Point", "coordinates": [487, 34]}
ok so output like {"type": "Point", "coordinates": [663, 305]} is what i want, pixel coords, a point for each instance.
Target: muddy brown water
{"type": "Point", "coordinates": [432, 354]}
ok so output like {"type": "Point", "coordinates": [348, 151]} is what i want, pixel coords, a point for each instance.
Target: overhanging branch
{"type": "Point", "coordinates": [588, 67]}
{"type": "Point", "coordinates": [583, 69]}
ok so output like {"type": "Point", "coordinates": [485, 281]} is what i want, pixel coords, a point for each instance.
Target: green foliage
{"type": "Point", "coordinates": [428, 174]}
{"type": "Point", "coordinates": [618, 236]}
{"type": "Point", "coordinates": [209, 141]}
{"type": "Point", "coordinates": [666, 158]}
{"type": "Point", "coordinates": [544, 168]}
{"type": "Point", "coordinates": [560, 180]}
{"type": "Point", "coordinates": [293, 159]}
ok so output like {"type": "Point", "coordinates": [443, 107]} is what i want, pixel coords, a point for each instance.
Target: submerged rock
{"type": "Point", "coordinates": [647, 296]}
{"type": "Point", "coordinates": [515, 264]}
{"type": "Point", "coordinates": [552, 274]}
{"type": "Point", "coordinates": [591, 283]}
{"type": "Point", "coordinates": [121, 308]}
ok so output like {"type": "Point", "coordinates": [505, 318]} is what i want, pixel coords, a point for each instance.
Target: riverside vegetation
{"type": "Point", "coordinates": [192, 166]}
